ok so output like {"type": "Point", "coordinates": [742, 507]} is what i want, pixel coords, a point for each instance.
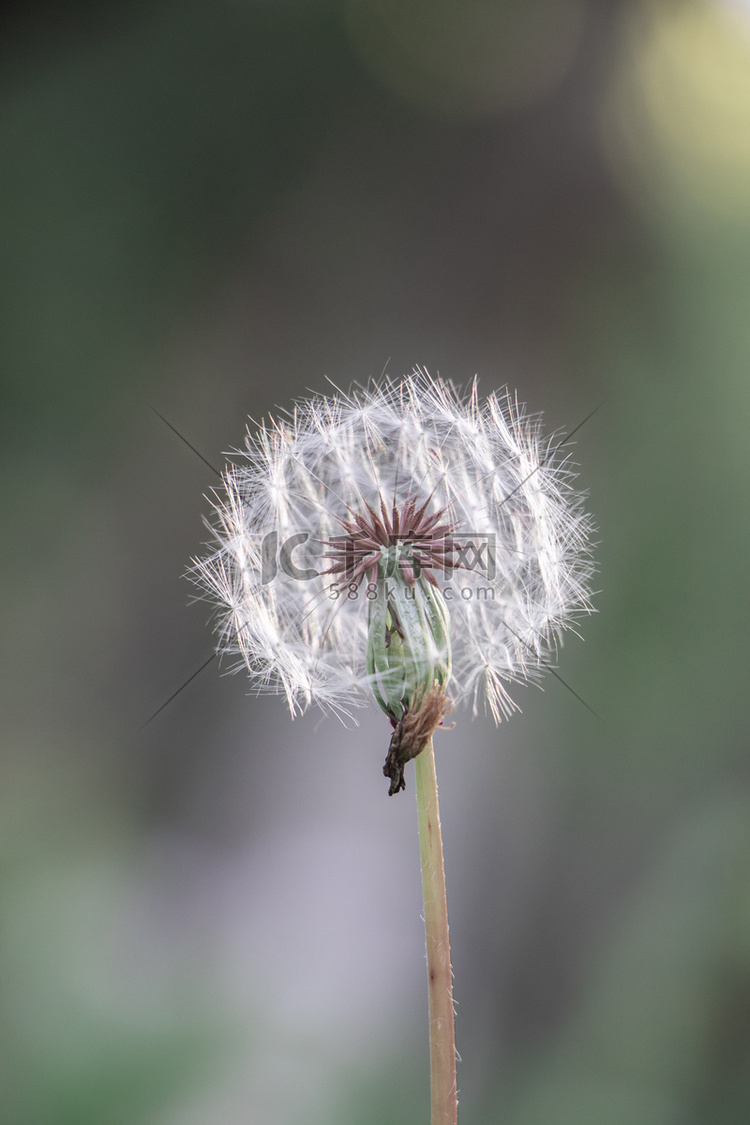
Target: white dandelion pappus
{"type": "Point", "coordinates": [450, 492]}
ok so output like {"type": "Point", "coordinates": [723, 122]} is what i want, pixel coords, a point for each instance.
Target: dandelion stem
{"type": "Point", "coordinates": [442, 1035]}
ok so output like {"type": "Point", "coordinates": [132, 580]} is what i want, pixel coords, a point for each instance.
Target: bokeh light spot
{"type": "Point", "coordinates": [677, 122]}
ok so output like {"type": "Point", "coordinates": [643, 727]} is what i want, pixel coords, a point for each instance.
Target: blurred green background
{"type": "Point", "coordinates": [208, 208]}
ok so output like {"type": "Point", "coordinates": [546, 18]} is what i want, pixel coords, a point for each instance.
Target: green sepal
{"type": "Point", "coordinates": [408, 643]}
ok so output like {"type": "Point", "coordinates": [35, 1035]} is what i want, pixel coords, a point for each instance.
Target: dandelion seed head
{"type": "Point", "coordinates": [510, 551]}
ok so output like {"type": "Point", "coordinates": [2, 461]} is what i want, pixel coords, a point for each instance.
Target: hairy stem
{"type": "Point", "coordinates": [442, 1035]}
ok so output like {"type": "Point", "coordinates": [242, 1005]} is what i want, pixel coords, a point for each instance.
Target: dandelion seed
{"type": "Point", "coordinates": [408, 500]}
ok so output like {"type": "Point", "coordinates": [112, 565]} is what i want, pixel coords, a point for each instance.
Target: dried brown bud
{"type": "Point", "coordinates": [412, 733]}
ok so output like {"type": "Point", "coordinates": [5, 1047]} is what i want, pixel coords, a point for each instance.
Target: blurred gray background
{"type": "Point", "coordinates": [208, 208]}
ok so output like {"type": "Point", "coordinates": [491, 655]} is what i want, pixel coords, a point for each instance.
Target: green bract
{"type": "Point", "coordinates": [408, 641]}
